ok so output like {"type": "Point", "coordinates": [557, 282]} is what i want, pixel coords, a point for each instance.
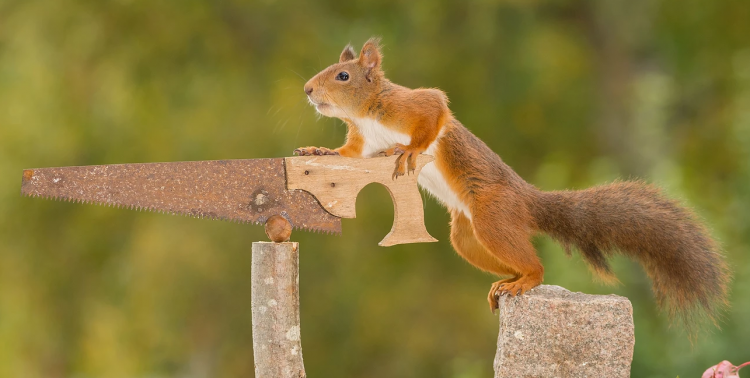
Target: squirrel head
{"type": "Point", "coordinates": [343, 89]}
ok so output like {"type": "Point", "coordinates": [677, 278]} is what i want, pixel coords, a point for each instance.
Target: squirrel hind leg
{"type": "Point", "coordinates": [467, 246]}
{"type": "Point", "coordinates": [503, 232]}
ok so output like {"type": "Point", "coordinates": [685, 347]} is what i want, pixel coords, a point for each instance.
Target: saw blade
{"type": "Point", "coordinates": [246, 191]}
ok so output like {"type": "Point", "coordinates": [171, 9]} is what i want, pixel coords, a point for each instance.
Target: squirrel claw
{"type": "Point", "coordinates": [511, 287]}
{"type": "Point", "coordinates": [406, 164]}
{"type": "Point", "coordinates": [398, 149]}
{"type": "Point", "coordinates": [398, 172]}
{"type": "Point", "coordinates": [502, 287]}
{"type": "Point", "coordinates": [309, 151]}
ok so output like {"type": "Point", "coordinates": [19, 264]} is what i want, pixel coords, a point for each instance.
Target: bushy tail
{"type": "Point", "coordinates": [689, 275]}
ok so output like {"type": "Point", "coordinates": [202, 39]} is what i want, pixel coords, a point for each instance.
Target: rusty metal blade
{"type": "Point", "coordinates": [248, 191]}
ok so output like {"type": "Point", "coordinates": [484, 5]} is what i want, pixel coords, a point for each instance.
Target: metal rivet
{"type": "Point", "coordinates": [307, 172]}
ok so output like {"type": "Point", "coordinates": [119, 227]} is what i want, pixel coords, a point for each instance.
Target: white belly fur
{"type": "Point", "coordinates": [378, 137]}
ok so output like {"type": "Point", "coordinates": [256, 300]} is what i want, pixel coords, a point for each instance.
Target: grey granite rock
{"type": "Point", "coordinates": [552, 332]}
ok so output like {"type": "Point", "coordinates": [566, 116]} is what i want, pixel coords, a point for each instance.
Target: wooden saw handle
{"type": "Point", "coordinates": [336, 180]}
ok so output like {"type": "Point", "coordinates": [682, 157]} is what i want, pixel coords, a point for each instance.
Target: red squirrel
{"type": "Point", "coordinates": [494, 212]}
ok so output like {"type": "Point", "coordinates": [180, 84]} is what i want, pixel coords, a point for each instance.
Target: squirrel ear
{"type": "Point", "coordinates": [370, 56]}
{"type": "Point", "coordinates": [347, 54]}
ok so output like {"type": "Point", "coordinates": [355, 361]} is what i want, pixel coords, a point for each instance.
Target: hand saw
{"type": "Point", "coordinates": [311, 192]}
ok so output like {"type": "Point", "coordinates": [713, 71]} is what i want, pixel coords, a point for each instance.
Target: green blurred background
{"type": "Point", "coordinates": [569, 93]}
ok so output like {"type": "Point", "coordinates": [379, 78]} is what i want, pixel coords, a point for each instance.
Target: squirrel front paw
{"type": "Point", "coordinates": [308, 151]}
{"type": "Point", "coordinates": [407, 162]}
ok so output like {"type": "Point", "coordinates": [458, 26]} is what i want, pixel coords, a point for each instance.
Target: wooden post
{"type": "Point", "coordinates": [277, 348]}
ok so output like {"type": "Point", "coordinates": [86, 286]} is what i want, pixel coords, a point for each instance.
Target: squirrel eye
{"type": "Point", "coordinates": [342, 76]}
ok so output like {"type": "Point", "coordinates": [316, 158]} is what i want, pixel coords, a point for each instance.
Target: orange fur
{"type": "Point", "coordinates": [495, 212]}
{"type": "Point", "coordinates": [354, 142]}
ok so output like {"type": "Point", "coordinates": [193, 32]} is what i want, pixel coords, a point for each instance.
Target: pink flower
{"type": "Point", "coordinates": [724, 369]}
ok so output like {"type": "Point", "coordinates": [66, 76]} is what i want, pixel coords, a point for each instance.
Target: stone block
{"type": "Point", "coordinates": [552, 332]}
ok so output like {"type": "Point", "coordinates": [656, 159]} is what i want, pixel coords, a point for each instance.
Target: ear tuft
{"type": "Point", "coordinates": [371, 56]}
{"type": "Point", "coordinates": [347, 54]}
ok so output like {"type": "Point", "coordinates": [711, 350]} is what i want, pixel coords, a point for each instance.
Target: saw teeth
{"type": "Point", "coordinates": [174, 213]}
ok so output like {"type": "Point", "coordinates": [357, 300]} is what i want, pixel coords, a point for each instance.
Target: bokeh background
{"type": "Point", "coordinates": [569, 93]}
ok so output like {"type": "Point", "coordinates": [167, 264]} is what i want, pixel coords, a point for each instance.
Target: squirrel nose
{"type": "Point", "coordinates": [308, 90]}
